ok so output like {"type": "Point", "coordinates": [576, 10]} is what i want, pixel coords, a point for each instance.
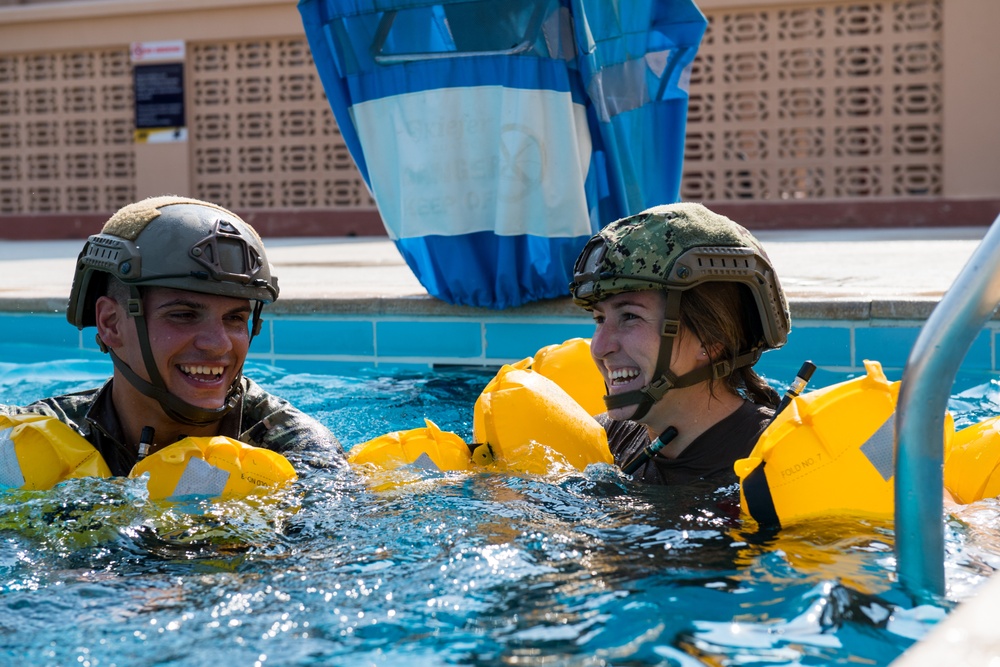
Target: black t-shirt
{"type": "Point", "coordinates": [711, 455]}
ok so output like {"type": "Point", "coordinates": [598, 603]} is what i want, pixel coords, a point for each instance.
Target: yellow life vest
{"type": "Point", "coordinates": [530, 423]}
{"type": "Point", "coordinates": [445, 450]}
{"type": "Point", "coordinates": [37, 452]}
{"type": "Point", "coordinates": [830, 450]}
{"type": "Point", "coordinates": [215, 466]}
{"type": "Point", "coordinates": [972, 462]}
{"type": "Point", "coordinates": [522, 422]}
{"type": "Point", "coordinates": [570, 366]}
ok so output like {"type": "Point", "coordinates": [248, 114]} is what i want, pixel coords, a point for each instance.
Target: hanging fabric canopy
{"type": "Point", "coordinates": [497, 136]}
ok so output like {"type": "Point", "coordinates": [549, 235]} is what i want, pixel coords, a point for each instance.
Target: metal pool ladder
{"type": "Point", "coordinates": [927, 382]}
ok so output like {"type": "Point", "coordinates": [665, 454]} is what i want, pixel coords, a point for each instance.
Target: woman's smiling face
{"type": "Point", "coordinates": [626, 343]}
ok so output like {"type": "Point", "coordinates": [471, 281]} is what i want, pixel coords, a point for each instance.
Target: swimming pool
{"type": "Point", "coordinates": [576, 569]}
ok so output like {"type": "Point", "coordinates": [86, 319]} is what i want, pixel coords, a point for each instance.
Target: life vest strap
{"type": "Point", "coordinates": [757, 493]}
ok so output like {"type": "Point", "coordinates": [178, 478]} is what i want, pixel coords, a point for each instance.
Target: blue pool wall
{"type": "Point", "coordinates": [343, 344]}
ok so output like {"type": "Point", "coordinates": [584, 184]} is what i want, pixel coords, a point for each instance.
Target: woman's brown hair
{"type": "Point", "coordinates": [720, 316]}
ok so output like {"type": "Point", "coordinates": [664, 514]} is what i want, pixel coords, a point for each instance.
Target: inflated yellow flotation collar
{"type": "Point", "coordinates": [570, 366]}
{"type": "Point", "coordinates": [972, 462]}
{"type": "Point", "coordinates": [529, 423]}
{"type": "Point", "coordinates": [38, 451]}
{"type": "Point", "coordinates": [829, 451]}
{"type": "Point", "coordinates": [445, 450]}
{"type": "Point", "coordinates": [523, 422]}
{"type": "Point", "coordinates": [214, 467]}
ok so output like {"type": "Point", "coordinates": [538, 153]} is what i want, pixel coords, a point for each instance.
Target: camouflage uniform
{"type": "Point", "coordinates": [260, 419]}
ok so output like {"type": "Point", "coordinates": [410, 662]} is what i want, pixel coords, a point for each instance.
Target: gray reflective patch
{"type": "Point", "coordinates": [11, 476]}
{"type": "Point", "coordinates": [200, 479]}
{"type": "Point", "coordinates": [878, 448]}
{"type": "Point", "coordinates": [425, 462]}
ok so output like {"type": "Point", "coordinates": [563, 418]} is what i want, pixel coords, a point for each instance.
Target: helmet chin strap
{"type": "Point", "coordinates": [174, 407]}
{"type": "Point", "coordinates": [663, 378]}
{"type": "Point", "coordinates": [156, 388]}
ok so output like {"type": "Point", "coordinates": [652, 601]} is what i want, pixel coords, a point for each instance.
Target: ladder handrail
{"type": "Point", "coordinates": [927, 383]}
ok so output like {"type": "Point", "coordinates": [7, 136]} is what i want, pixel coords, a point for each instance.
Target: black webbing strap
{"type": "Point", "coordinates": [757, 493]}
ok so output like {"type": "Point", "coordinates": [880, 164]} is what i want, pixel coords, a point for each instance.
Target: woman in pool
{"type": "Point", "coordinates": [685, 301]}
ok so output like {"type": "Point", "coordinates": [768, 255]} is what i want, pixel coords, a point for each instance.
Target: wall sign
{"type": "Point", "coordinates": [145, 52]}
{"type": "Point", "coordinates": [159, 93]}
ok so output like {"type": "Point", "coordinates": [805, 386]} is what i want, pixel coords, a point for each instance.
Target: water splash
{"type": "Point", "coordinates": [476, 569]}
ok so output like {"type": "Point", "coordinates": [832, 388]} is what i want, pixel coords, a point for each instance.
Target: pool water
{"type": "Point", "coordinates": [447, 569]}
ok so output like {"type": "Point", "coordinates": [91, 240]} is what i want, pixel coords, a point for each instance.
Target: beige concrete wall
{"type": "Point", "coordinates": [100, 23]}
{"type": "Point", "coordinates": [261, 135]}
{"type": "Point", "coordinates": [287, 155]}
{"type": "Point", "coordinates": [74, 26]}
{"type": "Point", "coordinates": [971, 98]}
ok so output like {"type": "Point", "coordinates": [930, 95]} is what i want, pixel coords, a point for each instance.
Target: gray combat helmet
{"type": "Point", "coordinates": [172, 242]}
{"type": "Point", "coordinates": [674, 248]}
{"type": "Point", "coordinates": [178, 243]}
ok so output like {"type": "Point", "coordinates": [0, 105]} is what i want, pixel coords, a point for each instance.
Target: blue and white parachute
{"type": "Point", "coordinates": [497, 136]}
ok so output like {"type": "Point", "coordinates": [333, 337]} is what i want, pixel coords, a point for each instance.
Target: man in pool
{"type": "Point", "coordinates": [685, 302]}
{"type": "Point", "coordinates": [175, 287]}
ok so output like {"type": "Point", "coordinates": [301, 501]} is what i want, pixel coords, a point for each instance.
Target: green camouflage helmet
{"type": "Point", "coordinates": [676, 247]}
{"type": "Point", "coordinates": [172, 242]}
